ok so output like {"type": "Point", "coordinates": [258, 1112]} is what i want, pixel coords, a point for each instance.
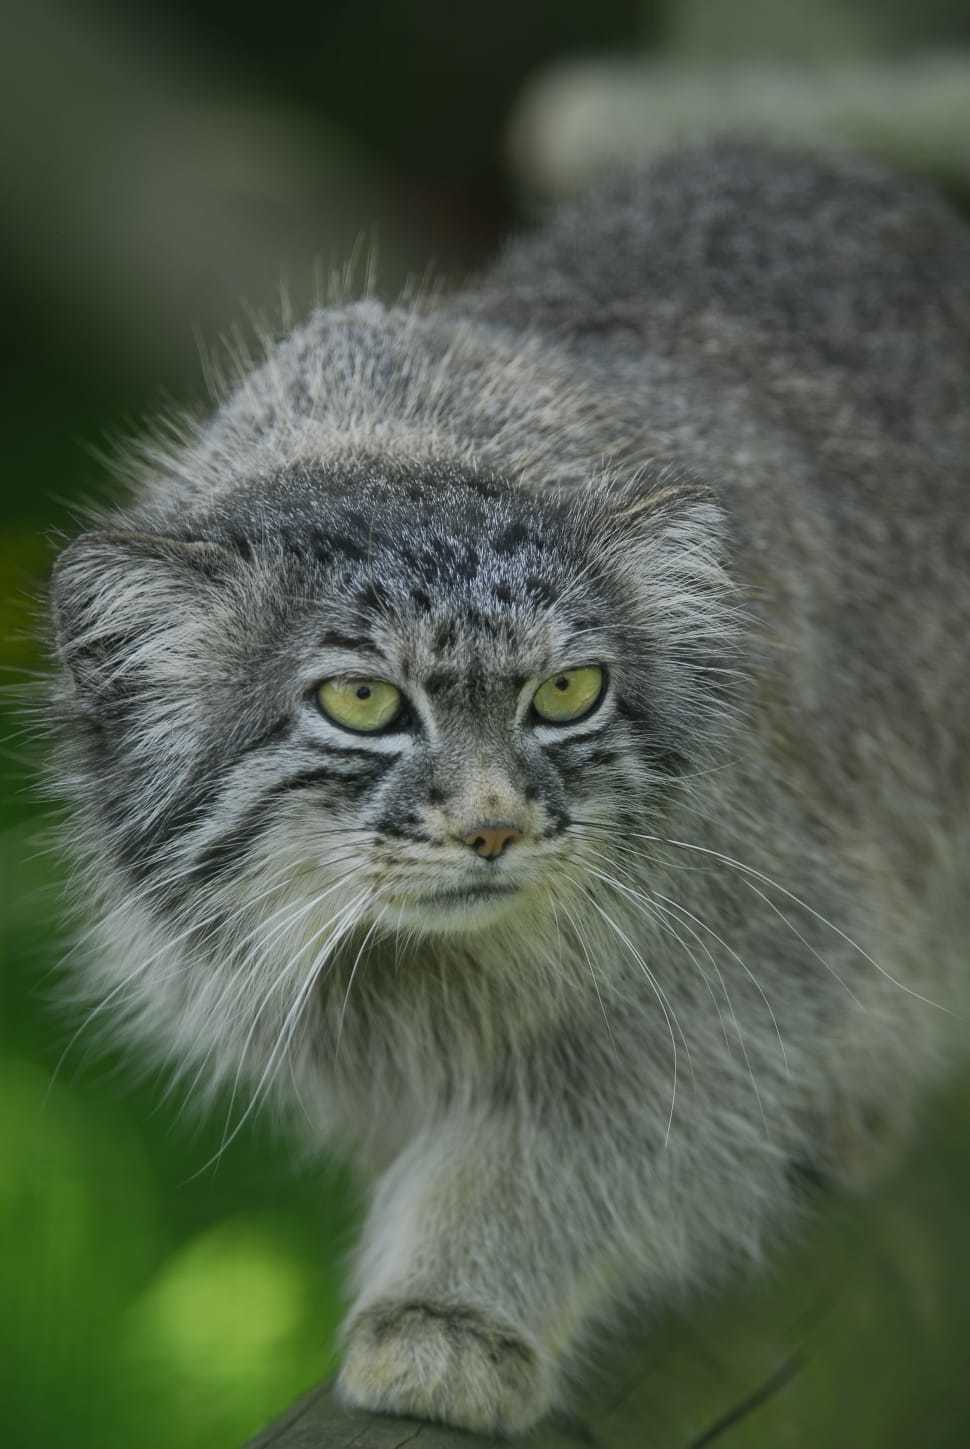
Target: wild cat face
{"type": "Point", "coordinates": [332, 707]}
{"type": "Point", "coordinates": [473, 733]}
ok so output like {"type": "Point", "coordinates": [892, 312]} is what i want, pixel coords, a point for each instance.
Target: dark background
{"type": "Point", "coordinates": [162, 171]}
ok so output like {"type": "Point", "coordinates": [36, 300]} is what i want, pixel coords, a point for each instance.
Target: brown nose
{"type": "Point", "coordinates": [491, 837]}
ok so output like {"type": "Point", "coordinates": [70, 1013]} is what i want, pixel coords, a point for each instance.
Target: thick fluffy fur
{"type": "Point", "coordinates": [707, 429]}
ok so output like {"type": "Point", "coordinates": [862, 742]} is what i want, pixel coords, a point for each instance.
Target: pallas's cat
{"type": "Point", "coordinates": [524, 736]}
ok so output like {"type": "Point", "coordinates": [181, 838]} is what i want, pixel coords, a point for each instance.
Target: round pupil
{"type": "Point", "coordinates": [562, 683]}
{"type": "Point", "coordinates": [363, 691]}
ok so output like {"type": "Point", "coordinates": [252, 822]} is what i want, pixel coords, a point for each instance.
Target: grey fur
{"type": "Point", "coordinates": [708, 429]}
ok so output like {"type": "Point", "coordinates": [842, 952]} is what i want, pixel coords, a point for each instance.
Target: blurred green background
{"type": "Point", "coordinates": [163, 170]}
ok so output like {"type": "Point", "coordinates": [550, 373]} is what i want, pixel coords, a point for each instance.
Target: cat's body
{"type": "Point", "coordinates": [710, 435]}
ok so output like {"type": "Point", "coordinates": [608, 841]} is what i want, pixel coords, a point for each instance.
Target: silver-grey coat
{"type": "Point", "coordinates": [707, 431]}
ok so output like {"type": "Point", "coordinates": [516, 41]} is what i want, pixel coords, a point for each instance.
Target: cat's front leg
{"type": "Point", "coordinates": [473, 1279]}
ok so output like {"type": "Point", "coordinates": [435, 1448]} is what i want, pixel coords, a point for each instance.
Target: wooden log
{"type": "Point", "coordinates": [317, 1421]}
{"type": "Point", "coordinates": [621, 1419]}
{"type": "Point", "coordinates": [670, 1390]}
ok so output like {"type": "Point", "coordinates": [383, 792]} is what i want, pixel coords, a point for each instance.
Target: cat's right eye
{"type": "Point", "coordinates": [365, 706]}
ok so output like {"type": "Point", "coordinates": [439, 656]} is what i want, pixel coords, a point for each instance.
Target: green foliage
{"type": "Point", "coordinates": [149, 1296]}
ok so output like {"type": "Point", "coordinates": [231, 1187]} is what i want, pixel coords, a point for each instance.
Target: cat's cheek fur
{"type": "Point", "coordinates": [444, 1362]}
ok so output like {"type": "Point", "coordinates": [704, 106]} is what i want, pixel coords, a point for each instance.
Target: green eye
{"type": "Point", "coordinates": [568, 696]}
{"type": "Point", "coordinates": [364, 705]}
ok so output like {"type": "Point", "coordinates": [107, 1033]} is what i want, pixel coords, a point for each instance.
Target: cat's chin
{"type": "Point", "coordinates": [455, 912]}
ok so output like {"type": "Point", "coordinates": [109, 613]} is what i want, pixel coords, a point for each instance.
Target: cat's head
{"type": "Point", "coordinates": [400, 701]}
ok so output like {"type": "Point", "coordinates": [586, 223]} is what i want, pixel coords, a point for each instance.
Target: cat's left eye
{"type": "Point", "coordinates": [365, 706]}
{"type": "Point", "coordinates": [569, 695]}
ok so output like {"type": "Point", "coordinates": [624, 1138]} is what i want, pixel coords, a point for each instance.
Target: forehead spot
{"type": "Point", "coordinates": [348, 548]}
{"type": "Point", "coordinates": [514, 537]}
{"type": "Point", "coordinates": [540, 589]}
{"type": "Point", "coordinates": [371, 596]}
{"type": "Point", "coordinates": [468, 564]}
{"type": "Point", "coordinates": [486, 487]}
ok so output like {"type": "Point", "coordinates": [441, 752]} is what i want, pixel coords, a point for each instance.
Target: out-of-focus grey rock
{"type": "Point", "coordinates": [578, 117]}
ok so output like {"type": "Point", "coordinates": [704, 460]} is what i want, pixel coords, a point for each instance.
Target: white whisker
{"type": "Point", "coordinates": [346, 917]}
{"type": "Point", "coordinates": [776, 885]}
{"type": "Point", "coordinates": [577, 931]}
{"type": "Point", "coordinates": [622, 936]}
{"type": "Point", "coordinates": [353, 973]}
{"type": "Point", "coordinates": [675, 905]}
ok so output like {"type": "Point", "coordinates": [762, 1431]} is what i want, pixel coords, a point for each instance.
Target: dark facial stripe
{"type": "Point", "coordinates": [401, 827]}
{"type": "Point", "coordinates": [140, 846]}
{"type": "Point", "coordinates": [353, 784]}
{"type": "Point", "coordinates": [559, 823]}
{"type": "Point", "coordinates": [559, 748]}
{"type": "Point", "coordinates": [232, 847]}
{"type": "Point", "coordinates": [341, 752]}
{"type": "Point", "coordinates": [572, 758]}
{"type": "Point", "coordinates": [603, 757]}
{"type": "Point", "coordinates": [647, 739]}
{"type": "Point", "coordinates": [275, 735]}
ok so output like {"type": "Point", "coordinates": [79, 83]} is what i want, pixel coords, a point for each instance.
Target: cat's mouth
{"type": "Point", "coordinates": [459, 895]}
{"type": "Point", "coordinates": [457, 907]}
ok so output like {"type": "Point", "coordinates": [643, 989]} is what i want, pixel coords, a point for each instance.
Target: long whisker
{"type": "Point", "coordinates": [650, 909]}
{"type": "Point", "coordinates": [257, 964]}
{"type": "Point", "coordinates": [292, 914]}
{"type": "Point", "coordinates": [346, 917]}
{"type": "Point", "coordinates": [577, 931]}
{"type": "Point", "coordinates": [636, 855]}
{"type": "Point", "coordinates": [132, 976]}
{"type": "Point", "coordinates": [656, 914]}
{"type": "Point", "coordinates": [807, 944]}
{"type": "Point", "coordinates": [610, 881]}
{"type": "Point", "coordinates": [675, 905]}
{"type": "Point", "coordinates": [622, 936]}
{"type": "Point", "coordinates": [730, 1001]}
{"type": "Point", "coordinates": [291, 1024]}
{"type": "Point", "coordinates": [616, 836]}
{"type": "Point", "coordinates": [353, 972]}
{"type": "Point", "coordinates": [747, 870]}
{"type": "Point", "coordinates": [776, 885]}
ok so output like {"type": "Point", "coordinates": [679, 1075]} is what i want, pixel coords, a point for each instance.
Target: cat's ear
{"type": "Point", "coordinates": [667, 521]}
{"type": "Point", "coordinates": [122, 602]}
{"type": "Point", "coordinates": [670, 547]}
{"type": "Point", "coordinates": [666, 506]}
{"type": "Point", "coordinates": [669, 537]}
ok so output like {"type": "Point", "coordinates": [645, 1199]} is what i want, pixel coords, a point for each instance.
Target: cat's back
{"type": "Point", "coordinates": [750, 253]}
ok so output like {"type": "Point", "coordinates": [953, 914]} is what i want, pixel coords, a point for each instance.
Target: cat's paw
{"type": "Point", "coordinates": [452, 1364]}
